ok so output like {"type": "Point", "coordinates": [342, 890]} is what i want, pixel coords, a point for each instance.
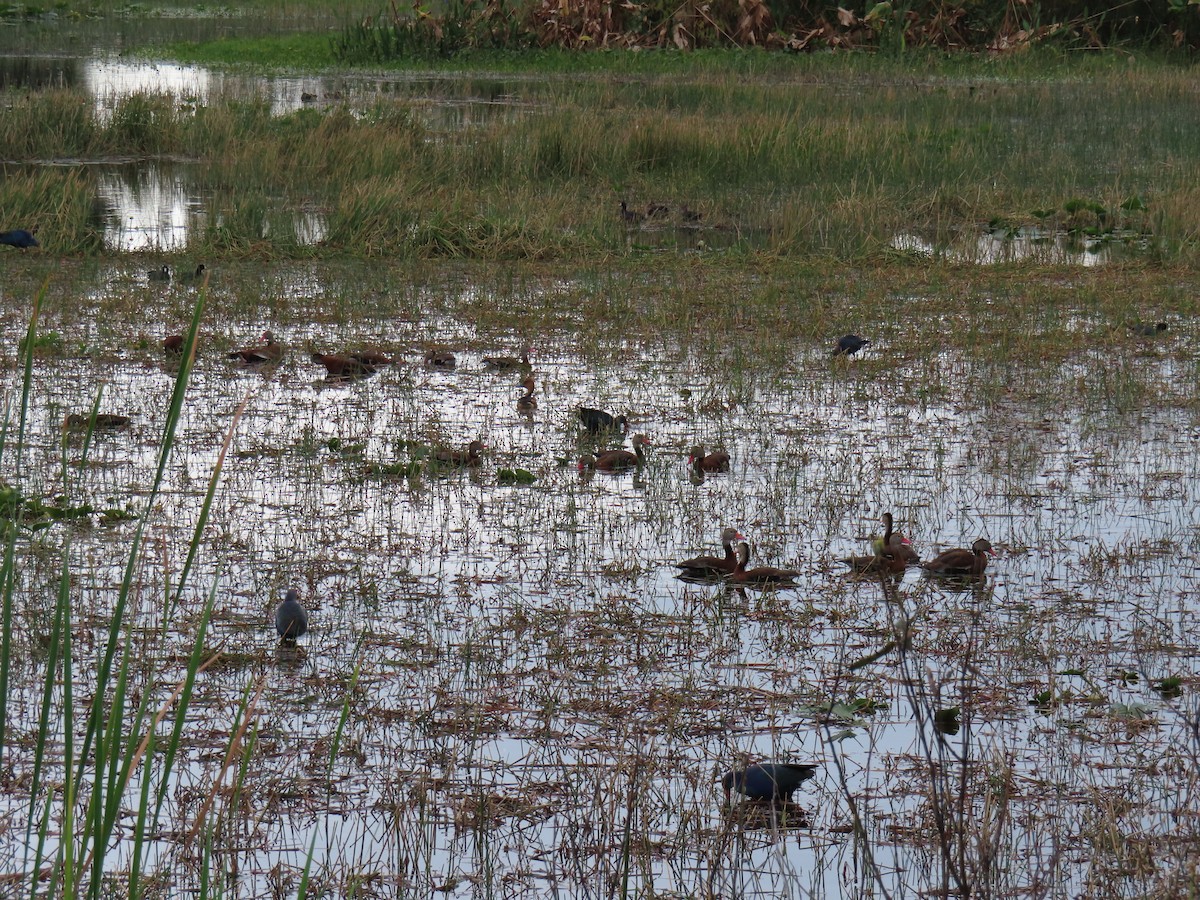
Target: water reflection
{"type": "Point", "coordinates": [1048, 248]}
{"type": "Point", "coordinates": [148, 207]}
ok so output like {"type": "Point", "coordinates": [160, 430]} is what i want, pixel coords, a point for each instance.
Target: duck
{"type": "Point", "coordinates": [267, 352]}
{"type": "Point", "coordinates": [849, 344]}
{"type": "Point", "coordinates": [173, 343]}
{"type": "Point", "coordinates": [597, 420]}
{"type": "Point", "coordinates": [768, 782]}
{"type": "Point", "coordinates": [440, 358]}
{"type": "Point", "coordinates": [372, 357]}
{"type": "Point", "coordinates": [508, 363]}
{"type": "Point", "coordinates": [620, 460]}
{"type": "Point", "coordinates": [195, 275]}
{"type": "Point", "coordinates": [291, 621]}
{"type": "Point", "coordinates": [759, 574]}
{"type": "Point", "coordinates": [526, 403]}
{"type": "Point", "coordinates": [19, 238]}
{"type": "Point", "coordinates": [101, 421]}
{"type": "Point", "coordinates": [895, 543]}
{"type": "Point", "coordinates": [338, 365]}
{"type": "Point", "coordinates": [469, 457]}
{"type": "Point", "coordinates": [163, 274]}
{"type": "Point", "coordinates": [717, 461]}
{"type": "Point", "coordinates": [709, 566]}
{"type": "Point", "coordinates": [629, 216]}
{"type": "Point", "coordinates": [958, 561]}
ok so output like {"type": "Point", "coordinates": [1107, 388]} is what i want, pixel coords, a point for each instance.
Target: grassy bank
{"type": "Point", "coordinates": [817, 163]}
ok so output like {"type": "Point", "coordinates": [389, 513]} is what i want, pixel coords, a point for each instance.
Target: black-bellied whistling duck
{"type": "Point", "coordinates": [291, 621]}
{"type": "Point", "coordinates": [876, 564]}
{"type": "Point", "coordinates": [958, 561]}
{"type": "Point", "coordinates": [526, 402]}
{"type": "Point", "coordinates": [508, 363]}
{"type": "Point", "coordinates": [709, 566]}
{"type": "Point", "coordinates": [342, 366]}
{"type": "Point", "coordinates": [620, 460]}
{"type": "Point", "coordinates": [718, 461]}
{"type": "Point", "coordinates": [372, 357]}
{"type": "Point", "coordinates": [759, 574]}
{"type": "Point", "coordinates": [849, 344]}
{"type": "Point", "coordinates": [767, 782]}
{"type": "Point", "coordinates": [440, 358]}
{"type": "Point", "coordinates": [101, 421]}
{"type": "Point", "coordinates": [469, 457]}
{"type": "Point", "coordinates": [267, 352]}
{"type": "Point", "coordinates": [596, 421]}
{"type": "Point", "coordinates": [173, 343]}
{"type": "Point", "coordinates": [163, 274]}
{"type": "Point", "coordinates": [895, 543]}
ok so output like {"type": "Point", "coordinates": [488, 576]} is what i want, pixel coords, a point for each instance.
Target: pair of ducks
{"type": "Point", "coordinates": [893, 553]}
{"type": "Point", "coordinates": [732, 565]}
{"type": "Point", "coordinates": [444, 358]}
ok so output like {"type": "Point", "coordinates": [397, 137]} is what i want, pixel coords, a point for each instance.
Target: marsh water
{"type": "Point", "coordinates": [506, 690]}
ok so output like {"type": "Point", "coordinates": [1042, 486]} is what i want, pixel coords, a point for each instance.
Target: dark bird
{"type": "Point", "coordinates": [19, 238]}
{"type": "Point", "coordinates": [163, 274]}
{"type": "Point", "coordinates": [618, 460]}
{"type": "Point", "coordinates": [469, 457]}
{"type": "Point", "coordinates": [760, 574]}
{"type": "Point", "coordinates": [440, 358]}
{"type": "Point", "coordinates": [101, 421]}
{"type": "Point", "coordinates": [173, 343]}
{"type": "Point", "coordinates": [194, 276]}
{"type": "Point", "coordinates": [770, 782]}
{"type": "Point", "coordinates": [526, 403]}
{"type": "Point", "coordinates": [717, 461]}
{"type": "Point", "coordinates": [340, 366]}
{"type": "Point", "coordinates": [508, 363]}
{"type": "Point", "coordinates": [266, 352]}
{"type": "Point", "coordinates": [958, 561]}
{"type": "Point", "coordinates": [372, 357]}
{"type": "Point", "coordinates": [848, 344]}
{"type": "Point", "coordinates": [1146, 330]}
{"type": "Point", "coordinates": [597, 420]}
{"type": "Point", "coordinates": [629, 216]}
{"type": "Point", "coordinates": [710, 566]}
{"type": "Point", "coordinates": [291, 621]}
{"type": "Point", "coordinates": [657, 210]}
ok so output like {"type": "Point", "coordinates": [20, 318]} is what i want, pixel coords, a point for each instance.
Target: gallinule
{"type": "Point", "coordinates": [1146, 330]}
{"type": "Point", "coordinates": [620, 460]}
{"type": "Point", "coordinates": [768, 782]}
{"type": "Point", "coordinates": [508, 363]}
{"type": "Point", "coordinates": [848, 344]}
{"type": "Point", "coordinates": [717, 461]}
{"type": "Point", "coordinates": [709, 566]}
{"type": "Point", "coordinates": [440, 358]}
{"type": "Point", "coordinates": [958, 561]}
{"type": "Point", "coordinates": [173, 343]}
{"type": "Point", "coordinates": [342, 366]}
{"type": "Point", "coordinates": [759, 574]}
{"type": "Point", "coordinates": [469, 457]}
{"type": "Point", "coordinates": [291, 621]}
{"type": "Point", "coordinates": [19, 238]}
{"type": "Point", "coordinates": [629, 216]}
{"type": "Point", "coordinates": [107, 421]}
{"type": "Point", "coordinates": [194, 276]}
{"type": "Point", "coordinates": [163, 274]}
{"type": "Point", "coordinates": [597, 420]}
{"type": "Point", "coordinates": [266, 352]}
{"type": "Point", "coordinates": [526, 402]}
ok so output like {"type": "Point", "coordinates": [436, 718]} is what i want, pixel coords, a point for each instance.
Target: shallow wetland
{"type": "Point", "coordinates": [505, 689]}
